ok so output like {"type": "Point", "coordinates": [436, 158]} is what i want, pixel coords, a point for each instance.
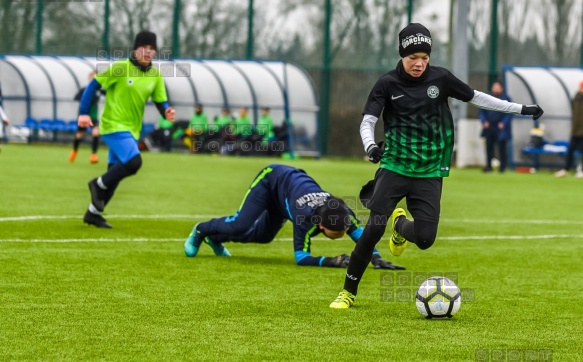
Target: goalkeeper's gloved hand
{"type": "Point", "coordinates": [380, 263]}
{"type": "Point", "coordinates": [340, 261]}
{"type": "Point", "coordinates": [374, 153]}
{"type": "Point", "coordinates": [533, 110]}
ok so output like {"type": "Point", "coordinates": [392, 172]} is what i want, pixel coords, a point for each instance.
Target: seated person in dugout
{"type": "Point", "coordinates": [243, 124]}
{"type": "Point", "coordinates": [265, 125]}
{"type": "Point", "coordinates": [197, 128]}
{"type": "Point", "coordinates": [222, 129]}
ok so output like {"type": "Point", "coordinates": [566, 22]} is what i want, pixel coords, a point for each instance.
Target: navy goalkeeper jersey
{"type": "Point", "coordinates": [296, 195]}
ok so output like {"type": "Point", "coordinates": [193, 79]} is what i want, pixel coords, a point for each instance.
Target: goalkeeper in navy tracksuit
{"type": "Point", "coordinates": [280, 193]}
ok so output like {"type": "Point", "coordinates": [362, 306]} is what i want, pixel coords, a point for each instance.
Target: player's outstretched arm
{"type": "Point", "coordinates": [84, 120]}
{"type": "Point", "coordinates": [533, 110]}
{"type": "Point", "coordinates": [170, 114]}
{"type": "Point", "coordinates": [486, 101]}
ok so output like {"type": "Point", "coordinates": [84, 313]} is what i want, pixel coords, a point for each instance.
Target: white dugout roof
{"type": "Point", "coordinates": [43, 87]}
{"type": "Point", "coordinates": [552, 88]}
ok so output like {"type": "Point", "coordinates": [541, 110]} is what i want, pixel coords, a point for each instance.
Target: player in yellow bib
{"type": "Point", "coordinates": [129, 84]}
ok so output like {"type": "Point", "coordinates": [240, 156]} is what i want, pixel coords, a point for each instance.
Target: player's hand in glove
{"type": "Point", "coordinates": [533, 110]}
{"type": "Point", "coordinates": [380, 263]}
{"type": "Point", "coordinates": [340, 261]}
{"type": "Point", "coordinates": [374, 153]}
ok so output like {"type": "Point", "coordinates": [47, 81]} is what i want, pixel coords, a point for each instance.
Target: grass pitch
{"type": "Point", "coordinates": [73, 292]}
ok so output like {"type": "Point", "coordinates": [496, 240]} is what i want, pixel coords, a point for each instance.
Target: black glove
{"type": "Point", "coordinates": [533, 110]}
{"type": "Point", "coordinates": [374, 153]}
{"type": "Point", "coordinates": [380, 263]}
{"type": "Point", "coordinates": [340, 261]}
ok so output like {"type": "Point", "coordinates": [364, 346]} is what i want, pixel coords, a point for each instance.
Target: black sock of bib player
{"type": "Point", "coordinates": [422, 233]}
{"type": "Point", "coordinates": [95, 144]}
{"type": "Point", "coordinates": [110, 189]}
{"type": "Point", "coordinates": [109, 193]}
{"type": "Point", "coordinates": [114, 175]}
{"type": "Point", "coordinates": [119, 171]}
{"type": "Point", "coordinates": [360, 257]}
{"type": "Point", "coordinates": [76, 143]}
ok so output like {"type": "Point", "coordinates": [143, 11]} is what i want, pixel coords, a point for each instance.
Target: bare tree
{"type": "Point", "coordinates": [557, 28]}
{"type": "Point", "coordinates": [128, 17]}
{"type": "Point", "coordinates": [18, 28]}
{"type": "Point", "coordinates": [82, 33]}
{"type": "Point", "coordinates": [213, 29]}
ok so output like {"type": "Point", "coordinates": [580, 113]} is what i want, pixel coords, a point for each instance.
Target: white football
{"type": "Point", "coordinates": [438, 297]}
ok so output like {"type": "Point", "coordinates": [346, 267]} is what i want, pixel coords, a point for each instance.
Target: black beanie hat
{"type": "Point", "coordinates": [333, 215]}
{"type": "Point", "coordinates": [145, 38]}
{"type": "Point", "coordinates": [414, 38]}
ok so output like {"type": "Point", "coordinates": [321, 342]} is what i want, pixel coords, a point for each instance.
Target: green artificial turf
{"type": "Point", "coordinates": [69, 291]}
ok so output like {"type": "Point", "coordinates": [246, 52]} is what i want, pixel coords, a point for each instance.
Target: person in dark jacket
{"type": "Point", "coordinates": [93, 113]}
{"type": "Point", "coordinates": [576, 141]}
{"type": "Point", "coordinates": [496, 130]}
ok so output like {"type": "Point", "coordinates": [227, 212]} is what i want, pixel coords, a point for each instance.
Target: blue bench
{"type": "Point", "coordinates": [32, 125]}
{"type": "Point", "coordinates": [557, 148]}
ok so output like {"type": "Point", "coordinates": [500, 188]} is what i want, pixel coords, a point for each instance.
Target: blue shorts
{"type": "Point", "coordinates": [122, 147]}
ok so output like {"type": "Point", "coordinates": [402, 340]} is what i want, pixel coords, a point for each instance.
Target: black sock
{"type": "Point", "coordinates": [117, 172]}
{"type": "Point", "coordinates": [109, 193]}
{"type": "Point", "coordinates": [355, 271]}
{"type": "Point", "coordinates": [114, 175]}
{"type": "Point", "coordinates": [76, 143]}
{"type": "Point", "coordinates": [420, 232]}
{"type": "Point", "coordinates": [406, 228]}
{"type": "Point", "coordinates": [110, 189]}
{"type": "Point", "coordinates": [360, 257]}
{"type": "Point", "coordinates": [95, 144]}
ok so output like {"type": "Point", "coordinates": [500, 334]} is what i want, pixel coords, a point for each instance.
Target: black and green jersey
{"type": "Point", "coordinates": [94, 102]}
{"type": "Point", "coordinates": [418, 125]}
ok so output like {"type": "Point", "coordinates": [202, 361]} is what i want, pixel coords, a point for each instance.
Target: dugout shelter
{"type": "Point", "coordinates": [42, 88]}
{"type": "Point", "coordinates": [552, 88]}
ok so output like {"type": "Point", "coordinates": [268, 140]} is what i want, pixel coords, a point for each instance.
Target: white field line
{"type": "Point", "coordinates": [138, 240]}
{"type": "Point", "coordinates": [196, 217]}
{"type": "Point", "coordinates": [80, 216]}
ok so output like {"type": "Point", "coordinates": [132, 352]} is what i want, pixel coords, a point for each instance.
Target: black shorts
{"type": "Point", "coordinates": [423, 195]}
{"type": "Point", "coordinates": [95, 124]}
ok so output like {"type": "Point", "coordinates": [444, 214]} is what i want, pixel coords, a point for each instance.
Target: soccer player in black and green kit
{"type": "Point", "coordinates": [419, 138]}
{"type": "Point", "coordinates": [94, 131]}
{"type": "Point", "coordinates": [129, 84]}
